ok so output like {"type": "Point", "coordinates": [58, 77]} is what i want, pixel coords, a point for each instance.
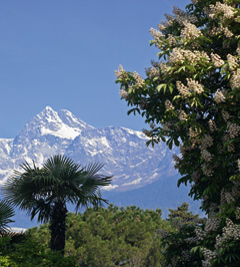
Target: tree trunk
{"type": "Point", "coordinates": [58, 226]}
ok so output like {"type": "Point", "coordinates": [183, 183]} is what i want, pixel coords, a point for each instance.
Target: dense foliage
{"type": "Point", "coordinates": [182, 238]}
{"type": "Point", "coordinates": [111, 237]}
{"type": "Point", "coordinates": [192, 99]}
{"type": "Point", "coordinates": [29, 252]}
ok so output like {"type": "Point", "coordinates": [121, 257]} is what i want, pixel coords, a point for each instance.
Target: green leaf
{"type": "Point", "coordinates": [134, 110]}
{"type": "Point", "coordinates": [171, 88]}
{"type": "Point", "coordinates": [183, 68]}
{"type": "Point", "coordinates": [176, 142]}
{"type": "Point", "coordinates": [160, 86]}
{"type": "Point", "coordinates": [195, 249]}
{"type": "Point", "coordinates": [163, 138]}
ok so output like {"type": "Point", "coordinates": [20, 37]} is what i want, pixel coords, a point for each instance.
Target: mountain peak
{"type": "Point", "coordinates": [48, 108]}
{"type": "Point", "coordinates": [48, 114]}
{"type": "Point", "coordinates": [62, 124]}
{"type": "Point", "coordinates": [71, 120]}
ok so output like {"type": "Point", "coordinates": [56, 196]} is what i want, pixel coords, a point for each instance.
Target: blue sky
{"type": "Point", "coordinates": [63, 54]}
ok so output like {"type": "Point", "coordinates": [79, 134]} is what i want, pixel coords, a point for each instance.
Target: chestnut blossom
{"type": "Point", "coordinates": [164, 67]}
{"type": "Point", "coordinates": [234, 129]}
{"type": "Point", "coordinates": [139, 79]}
{"type": "Point", "coordinates": [169, 105]}
{"type": "Point", "coordinates": [235, 79]}
{"type": "Point", "coordinates": [207, 170]}
{"type": "Point", "coordinates": [231, 148]}
{"type": "Point", "coordinates": [182, 17]}
{"type": "Point", "coordinates": [225, 115]}
{"type": "Point", "coordinates": [194, 86]}
{"type": "Point", "coordinates": [230, 232]}
{"type": "Point", "coordinates": [163, 26]}
{"type": "Point", "coordinates": [228, 11]}
{"type": "Point", "coordinates": [119, 72]}
{"type": "Point", "coordinates": [190, 31]}
{"type": "Point", "coordinates": [238, 50]}
{"type": "Point", "coordinates": [227, 32]}
{"type": "Point", "coordinates": [212, 126]}
{"type": "Point", "coordinates": [232, 62]}
{"type": "Point", "coordinates": [155, 64]}
{"type": "Point", "coordinates": [183, 90]}
{"type": "Point", "coordinates": [193, 133]}
{"type": "Point", "coordinates": [219, 97]}
{"type": "Point", "coordinates": [156, 34]}
{"type": "Point", "coordinates": [228, 197]}
{"type": "Point", "coordinates": [208, 256]}
{"type": "Point", "coordinates": [171, 40]}
{"type": "Point", "coordinates": [212, 224]}
{"type": "Point", "coordinates": [179, 55]}
{"type": "Point", "coordinates": [235, 189]}
{"type": "Point", "coordinates": [152, 72]}
{"type": "Point", "coordinates": [170, 19]}
{"type": "Point", "coordinates": [217, 61]}
{"type": "Point", "coordinates": [182, 116]}
{"type": "Point", "coordinates": [206, 155]}
{"type": "Point", "coordinates": [206, 141]}
{"type": "Point", "coordinates": [124, 94]}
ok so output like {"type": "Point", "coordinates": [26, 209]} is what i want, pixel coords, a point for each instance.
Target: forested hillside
{"type": "Point", "coordinates": [99, 237]}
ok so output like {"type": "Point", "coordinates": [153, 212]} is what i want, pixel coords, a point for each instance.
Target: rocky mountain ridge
{"type": "Point", "coordinates": [142, 176]}
{"type": "Point", "coordinates": [122, 151]}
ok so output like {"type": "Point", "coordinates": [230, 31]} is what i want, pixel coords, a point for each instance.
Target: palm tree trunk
{"type": "Point", "coordinates": [58, 226]}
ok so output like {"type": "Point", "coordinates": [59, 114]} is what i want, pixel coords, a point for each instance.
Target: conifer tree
{"type": "Point", "coordinates": [178, 242]}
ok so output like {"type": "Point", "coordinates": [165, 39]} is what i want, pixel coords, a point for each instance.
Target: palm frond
{"type": "Point", "coordinates": [60, 179]}
{"type": "Point", "coordinates": [6, 212]}
{"type": "Point", "coordinates": [93, 168]}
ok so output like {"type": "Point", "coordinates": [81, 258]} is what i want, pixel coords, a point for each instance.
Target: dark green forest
{"type": "Point", "coordinates": [110, 236]}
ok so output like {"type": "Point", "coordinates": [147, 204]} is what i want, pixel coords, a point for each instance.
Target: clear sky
{"type": "Point", "coordinates": [63, 53]}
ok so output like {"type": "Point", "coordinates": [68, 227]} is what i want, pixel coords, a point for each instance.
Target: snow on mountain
{"type": "Point", "coordinates": [124, 154]}
{"type": "Point", "coordinates": [46, 134]}
{"type": "Point", "coordinates": [6, 163]}
{"type": "Point", "coordinates": [122, 151]}
{"type": "Point", "coordinates": [142, 176]}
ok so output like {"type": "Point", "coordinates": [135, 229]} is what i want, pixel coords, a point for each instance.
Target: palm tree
{"type": "Point", "coordinates": [46, 191]}
{"type": "Point", "coordinates": [6, 212]}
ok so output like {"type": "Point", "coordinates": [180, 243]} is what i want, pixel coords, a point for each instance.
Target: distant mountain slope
{"type": "Point", "coordinates": [137, 169]}
{"type": "Point", "coordinates": [122, 151]}
{"type": "Point", "coordinates": [162, 194]}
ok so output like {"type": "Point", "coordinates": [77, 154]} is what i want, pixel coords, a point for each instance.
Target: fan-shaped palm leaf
{"type": "Point", "coordinates": [6, 212]}
{"type": "Point", "coordinates": [45, 191]}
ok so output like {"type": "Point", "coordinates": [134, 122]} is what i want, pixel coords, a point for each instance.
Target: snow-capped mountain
{"type": "Point", "coordinates": [142, 176]}
{"type": "Point", "coordinates": [122, 151]}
